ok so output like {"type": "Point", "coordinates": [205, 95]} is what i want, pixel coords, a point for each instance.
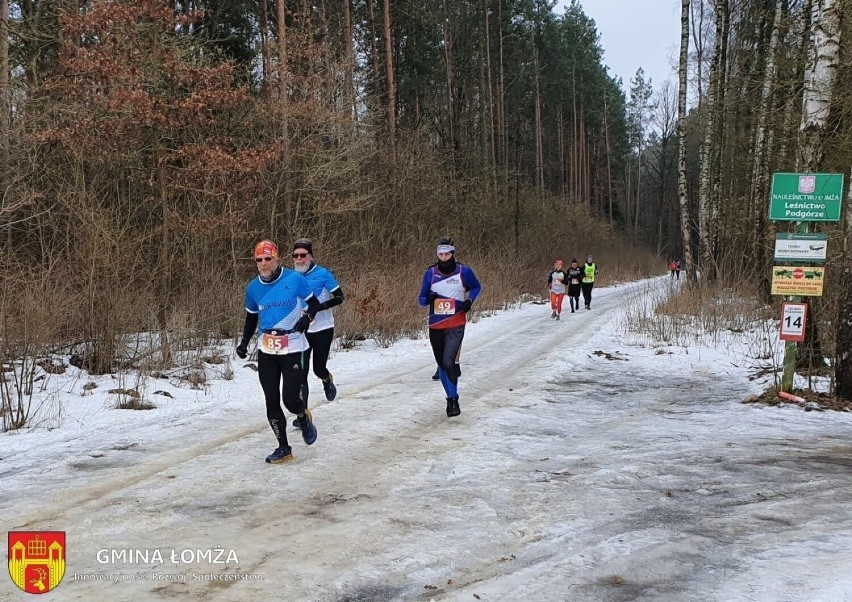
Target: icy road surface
{"type": "Point", "coordinates": [568, 476]}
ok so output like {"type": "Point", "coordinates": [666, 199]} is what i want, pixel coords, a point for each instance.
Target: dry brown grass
{"type": "Point", "coordinates": [106, 320]}
{"type": "Point", "coordinates": [716, 306]}
{"type": "Point", "coordinates": [99, 296]}
{"type": "Point", "coordinates": [375, 308]}
{"type": "Point", "coordinates": [679, 315]}
{"type": "Point", "coordinates": [381, 302]}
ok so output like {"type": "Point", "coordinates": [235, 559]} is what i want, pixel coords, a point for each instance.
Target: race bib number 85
{"type": "Point", "coordinates": [274, 344]}
{"type": "Point", "coordinates": [445, 307]}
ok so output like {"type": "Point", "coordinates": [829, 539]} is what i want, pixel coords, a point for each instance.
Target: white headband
{"type": "Point", "coordinates": [446, 249]}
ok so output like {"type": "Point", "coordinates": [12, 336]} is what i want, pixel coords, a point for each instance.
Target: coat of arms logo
{"type": "Point", "coordinates": [807, 184]}
{"type": "Point", "coordinates": [37, 559]}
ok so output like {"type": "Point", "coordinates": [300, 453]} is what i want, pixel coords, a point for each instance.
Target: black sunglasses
{"type": "Point", "coordinates": [299, 255]}
{"type": "Point", "coordinates": [260, 259]}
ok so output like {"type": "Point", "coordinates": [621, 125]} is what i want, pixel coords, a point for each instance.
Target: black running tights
{"type": "Point", "coordinates": [446, 343]}
{"type": "Point", "coordinates": [271, 369]}
{"type": "Point", "coordinates": [587, 292]}
{"type": "Point", "coordinates": [320, 348]}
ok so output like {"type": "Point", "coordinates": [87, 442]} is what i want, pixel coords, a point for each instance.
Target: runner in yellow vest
{"type": "Point", "coordinates": [590, 270]}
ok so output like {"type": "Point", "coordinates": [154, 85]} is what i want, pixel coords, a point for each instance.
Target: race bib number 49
{"type": "Point", "coordinates": [445, 307]}
{"type": "Point", "coordinates": [274, 344]}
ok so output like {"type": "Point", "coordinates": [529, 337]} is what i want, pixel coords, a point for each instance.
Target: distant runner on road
{"type": "Point", "coordinates": [590, 270]}
{"type": "Point", "coordinates": [556, 283]}
{"type": "Point", "coordinates": [575, 275]}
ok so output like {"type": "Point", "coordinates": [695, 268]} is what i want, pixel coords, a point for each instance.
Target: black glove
{"type": "Point", "coordinates": [465, 305]}
{"type": "Point", "coordinates": [242, 351]}
{"type": "Point", "coordinates": [431, 298]}
{"type": "Point", "coordinates": [303, 323]}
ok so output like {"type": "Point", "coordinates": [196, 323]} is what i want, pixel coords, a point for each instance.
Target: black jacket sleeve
{"type": "Point", "coordinates": [336, 299]}
{"type": "Point", "coordinates": [249, 327]}
{"type": "Point", "coordinates": [314, 306]}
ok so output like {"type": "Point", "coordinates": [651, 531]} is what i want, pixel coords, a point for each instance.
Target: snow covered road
{"type": "Point", "coordinates": [568, 476]}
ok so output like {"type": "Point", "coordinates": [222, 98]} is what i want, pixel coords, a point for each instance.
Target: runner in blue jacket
{"type": "Point", "coordinates": [321, 332]}
{"type": "Point", "coordinates": [274, 302]}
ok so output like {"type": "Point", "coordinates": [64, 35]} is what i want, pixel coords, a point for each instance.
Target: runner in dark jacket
{"type": "Point", "coordinates": [575, 275]}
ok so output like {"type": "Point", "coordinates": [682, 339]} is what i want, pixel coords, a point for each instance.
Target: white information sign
{"type": "Point", "coordinates": [801, 247]}
{"type": "Point", "coordinates": [793, 320]}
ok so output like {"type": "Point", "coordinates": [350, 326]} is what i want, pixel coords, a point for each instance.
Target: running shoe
{"type": "Point", "coordinates": [309, 431]}
{"type": "Point", "coordinates": [280, 455]}
{"type": "Point", "coordinates": [329, 388]}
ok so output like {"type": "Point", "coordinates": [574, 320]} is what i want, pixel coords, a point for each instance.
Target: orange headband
{"type": "Point", "coordinates": [264, 248]}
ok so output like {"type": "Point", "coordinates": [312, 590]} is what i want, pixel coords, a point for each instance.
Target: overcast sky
{"type": "Point", "coordinates": [636, 33]}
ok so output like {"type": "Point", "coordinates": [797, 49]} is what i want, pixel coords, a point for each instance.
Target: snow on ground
{"type": "Point", "coordinates": [569, 475]}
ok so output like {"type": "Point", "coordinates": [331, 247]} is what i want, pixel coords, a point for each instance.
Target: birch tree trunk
{"type": "Point", "coordinates": [790, 111]}
{"type": "Point", "coordinates": [706, 226]}
{"type": "Point", "coordinates": [820, 74]}
{"type": "Point", "coordinates": [819, 79]}
{"type": "Point", "coordinates": [722, 128]}
{"type": "Point", "coordinates": [681, 141]}
{"type": "Point", "coordinates": [698, 43]}
{"type": "Point", "coordinates": [760, 163]}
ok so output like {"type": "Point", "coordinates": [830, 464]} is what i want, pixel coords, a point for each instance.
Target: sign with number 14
{"type": "Point", "coordinates": [793, 320]}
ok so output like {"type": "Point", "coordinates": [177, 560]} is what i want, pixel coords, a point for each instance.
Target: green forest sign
{"type": "Point", "coordinates": [814, 197]}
